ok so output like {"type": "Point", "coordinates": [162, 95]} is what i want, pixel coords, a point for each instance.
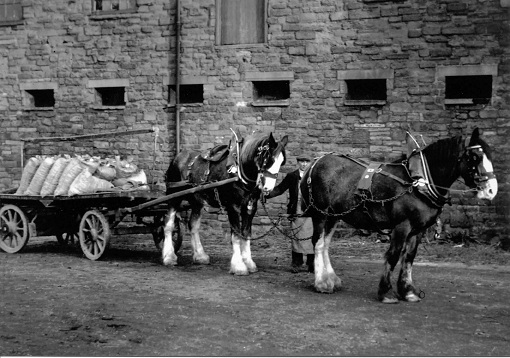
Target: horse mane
{"type": "Point", "coordinates": [443, 149]}
{"type": "Point", "coordinates": [251, 144]}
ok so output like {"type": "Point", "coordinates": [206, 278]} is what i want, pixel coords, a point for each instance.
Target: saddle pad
{"type": "Point", "coordinates": [365, 183]}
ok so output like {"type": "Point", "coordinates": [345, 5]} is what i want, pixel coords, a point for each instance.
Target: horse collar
{"type": "Point", "coordinates": [423, 181]}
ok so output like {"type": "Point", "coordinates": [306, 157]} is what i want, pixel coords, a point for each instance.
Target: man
{"type": "Point", "coordinates": [301, 227]}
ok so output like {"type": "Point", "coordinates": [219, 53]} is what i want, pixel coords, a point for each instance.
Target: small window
{"type": "Point", "coordinates": [271, 90]}
{"type": "Point", "coordinates": [40, 98]}
{"type": "Point", "coordinates": [241, 22]}
{"type": "Point", "coordinates": [188, 94]}
{"type": "Point", "coordinates": [11, 12]}
{"type": "Point", "coordinates": [38, 95]}
{"type": "Point", "coordinates": [468, 89]}
{"type": "Point", "coordinates": [466, 85]}
{"type": "Point", "coordinates": [365, 87]}
{"type": "Point", "coordinates": [113, 5]}
{"type": "Point", "coordinates": [366, 90]}
{"type": "Point", "coordinates": [112, 96]}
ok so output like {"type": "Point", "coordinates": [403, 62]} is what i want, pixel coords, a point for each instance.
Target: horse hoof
{"type": "Point", "coordinates": [239, 272]}
{"type": "Point", "coordinates": [201, 260]}
{"type": "Point", "coordinates": [412, 297]}
{"type": "Point", "coordinates": [323, 288]}
{"type": "Point", "coordinates": [389, 300]}
{"type": "Point", "coordinates": [170, 261]}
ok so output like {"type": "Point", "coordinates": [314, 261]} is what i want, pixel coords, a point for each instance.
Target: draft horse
{"type": "Point", "coordinates": [256, 160]}
{"type": "Point", "coordinates": [335, 187]}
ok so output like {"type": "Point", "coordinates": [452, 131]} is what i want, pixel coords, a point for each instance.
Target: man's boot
{"type": "Point", "coordinates": [297, 261]}
{"type": "Point", "coordinates": [310, 262]}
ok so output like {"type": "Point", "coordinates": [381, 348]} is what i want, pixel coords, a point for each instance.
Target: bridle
{"type": "Point", "coordinates": [473, 156]}
{"type": "Point", "coordinates": [262, 152]}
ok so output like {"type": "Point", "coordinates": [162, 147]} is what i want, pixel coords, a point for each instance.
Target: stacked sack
{"type": "Point", "coordinates": [66, 176]}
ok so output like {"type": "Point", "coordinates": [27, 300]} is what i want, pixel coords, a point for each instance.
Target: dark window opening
{"type": "Point", "coordinates": [366, 90]}
{"type": "Point", "coordinates": [271, 90]}
{"type": "Point", "coordinates": [10, 11]}
{"type": "Point", "coordinates": [188, 93]}
{"type": "Point", "coordinates": [41, 98]}
{"type": "Point", "coordinates": [112, 96]}
{"type": "Point", "coordinates": [113, 5]}
{"type": "Point", "coordinates": [242, 22]}
{"type": "Point", "coordinates": [477, 88]}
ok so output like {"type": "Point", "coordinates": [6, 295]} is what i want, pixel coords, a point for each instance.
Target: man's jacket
{"type": "Point", "coordinates": [290, 183]}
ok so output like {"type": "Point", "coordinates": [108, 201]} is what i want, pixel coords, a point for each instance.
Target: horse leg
{"type": "Point", "coordinates": [326, 280]}
{"type": "Point", "coordinates": [246, 254]}
{"type": "Point", "coordinates": [199, 255]}
{"type": "Point", "coordinates": [405, 286]}
{"type": "Point", "coordinates": [237, 263]}
{"type": "Point", "coordinates": [385, 293]}
{"type": "Point", "coordinates": [169, 256]}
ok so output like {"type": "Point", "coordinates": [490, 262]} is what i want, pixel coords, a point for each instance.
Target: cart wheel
{"type": "Point", "coordinates": [159, 235]}
{"type": "Point", "coordinates": [13, 229]}
{"type": "Point", "coordinates": [94, 234]}
{"type": "Point", "coordinates": [67, 238]}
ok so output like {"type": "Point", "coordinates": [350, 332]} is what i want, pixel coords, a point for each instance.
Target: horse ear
{"type": "Point", "coordinates": [412, 144]}
{"type": "Point", "coordinates": [284, 140]}
{"type": "Point", "coordinates": [271, 140]}
{"type": "Point", "coordinates": [474, 136]}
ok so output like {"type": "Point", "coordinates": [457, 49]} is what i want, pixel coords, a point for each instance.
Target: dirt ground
{"type": "Point", "coordinates": [55, 302]}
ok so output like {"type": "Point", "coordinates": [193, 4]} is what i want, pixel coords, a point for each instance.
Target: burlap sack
{"type": "Point", "coordinates": [106, 171]}
{"type": "Point", "coordinates": [72, 170]}
{"type": "Point", "coordinates": [86, 183]}
{"type": "Point", "coordinates": [125, 169]}
{"type": "Point", "coordinates": [28, 173]}
{"type": "Point", "coordinates": [53, 177]}
{"type": "Point", "coordinates": [40, 175]}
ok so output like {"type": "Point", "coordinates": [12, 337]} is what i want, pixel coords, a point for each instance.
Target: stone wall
{"type": "Point", "coordinates": [413, 43]}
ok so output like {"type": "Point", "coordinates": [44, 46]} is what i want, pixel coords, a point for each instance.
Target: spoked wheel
{"type": "Point", "coordinates": [94, 234]}
{"type": "Point", "coordinates": [67, 238]}
{"type": "Point", "coordinates": [159, 234]}
{"type": "Point", "coordinates": [14, 232]}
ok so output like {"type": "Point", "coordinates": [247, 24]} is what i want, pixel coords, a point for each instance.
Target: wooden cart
{"type": "Point", "coordinates": [92, 218]}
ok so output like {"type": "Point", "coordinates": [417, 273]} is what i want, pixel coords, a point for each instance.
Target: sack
{"type": "Point", "coordinates": [40, 176]}
{"type": "Point", "coordinates": [137, 181]}
{"type": "Point", "coordinates": [140, 178]}
{"type": "Point", "coordinates": [53, 177]}
{"type": "Point", "coordinates": [28, 173]}
{"type": "Point", "coordinates": [72, 170]}
{"type": "Point", "coordinates": [124, 168]}
{"type": "Point", "coordinates": [106, 171]}
{"type": "Point", "coordinates": [86, 183]}
{"type": "Point", "coordinates": [91, 163]}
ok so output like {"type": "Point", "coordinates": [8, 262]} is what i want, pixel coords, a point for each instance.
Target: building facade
{"type": "Point", "coordinates": [347, 76]}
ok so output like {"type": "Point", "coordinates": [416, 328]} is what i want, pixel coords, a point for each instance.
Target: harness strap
{"type": "Point", "coordinates": [365, 183]}
{"type": "Point", "coordinates": [367, 165]}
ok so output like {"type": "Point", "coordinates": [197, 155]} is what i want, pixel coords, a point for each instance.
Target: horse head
{"type": "Point", "coordinates": [476, 167]}
{"type": "Point", "coordinates": [269, 159]}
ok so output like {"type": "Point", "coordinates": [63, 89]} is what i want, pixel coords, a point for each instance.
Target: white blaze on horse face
{"type": "Point", "coordinates": [490, 189]}
{"type": "Point", "coordinates": [270, 182]}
